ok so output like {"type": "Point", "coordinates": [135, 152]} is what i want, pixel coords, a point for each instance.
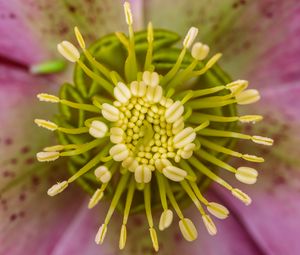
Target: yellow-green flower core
{"type": "Point", "coordinates": [147, 124]}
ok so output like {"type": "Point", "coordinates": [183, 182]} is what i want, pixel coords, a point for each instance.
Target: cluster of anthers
{"type": "Point", "coordinates": [146, 128]}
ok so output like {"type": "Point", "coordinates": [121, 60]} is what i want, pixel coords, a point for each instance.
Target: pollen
{"type": "Point", "coordinates": [146, 124]}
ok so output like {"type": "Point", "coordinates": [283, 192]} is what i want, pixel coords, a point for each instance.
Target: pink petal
{"type": "Point", "coordinates": [273, 217]}
{"type": "Point", "coordinates": [30, 220]}
{"type": "Point", "coordinates": [259, 39]}
{"type": "Point", "coordinates": [40, 25]}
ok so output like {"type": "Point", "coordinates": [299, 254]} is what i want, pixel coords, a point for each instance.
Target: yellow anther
{"type": "Point", "coordinates": [79, 38]}
{"type": "Point", "coordinates": [48, 98]}
{"type": "Point", "coordinates": [57, 188]}
{"type": "Point", "coordinates": [46, 124]}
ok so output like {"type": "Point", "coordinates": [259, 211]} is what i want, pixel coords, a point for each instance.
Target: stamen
{"type": "Point", "coordinates": [186, 226]}
{"type": "Point", "coordinates": [165, 220]}
{"type": "Point", "coordinates": [129, 198]}
{"type": "Point", "coordinates": [149, 53]}
{"type": "Point", "coordinates": [119, 191]}
{"type": "Point", "coordinates": [237, 86]}
{"type": "Point", "coordinates": [53, 99]}
{"type": "Point", "coordinates": [225, 150]}
{"type": "Point", "coordinates": [92, 60]}
{"type": "Point", "coordinates": [147, 199]}
{"type": "Point", "coordinates": [130, 63]}
{"type": "Point", "coordinates": [174, 112]}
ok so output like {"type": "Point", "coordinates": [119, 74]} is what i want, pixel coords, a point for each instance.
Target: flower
{"type": "Point", "coordinates": [263, 244]}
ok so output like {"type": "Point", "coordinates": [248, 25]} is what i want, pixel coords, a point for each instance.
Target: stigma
{"type": "Point", "coordinates": [143, 115]}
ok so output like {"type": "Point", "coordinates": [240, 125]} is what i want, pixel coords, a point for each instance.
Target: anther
{"type": "Point", "coordinates": [46, 156]}
{"type": "Point", "coordinates": [166, 219]}
{"type": "Point", "coordinates": [262, 140]}
{"type": "Point", "coordinates": [122, 92]}
{"type": "Point", "coordinates": [57, 188]}
{"type": "Point", "coordinates": [110, 112]}
{"type": "Point", "coordinates": [143, 174]}
{"type": "Point", "coordinates": [249, 96]}
{"type": "Point", "coordinates": [151, 78]}
{"type": "Point", "coordinates": [241, 196]}
{"type": "Point", "coordinates": [188, 229]}
{"type": "Point", "coordinates": [119, 152]}
{"type": "Point", "coordinates": [219, 211]}
{"type": "Point", "coordinates": [98, 129]}
{"type": "Point", "coordinates": [174, 112]}
{"type": "Point", "coordinates": [174, 173]}
{"type": "Point", "coordinates": [246, 175]}
{"type": "Point", "coordinates": [48, 98]}
{"type": "Point", "coordinates": [200, 51]}
{"type": "Point", "coordinates": [103, 174]}
{"type": "Point", "coordinates": [46, 124]}
{"type": "Point", "coordinates": [190, 37]}
{"type": "Point", "coordinates": [69, 51]}
{"type": "Point", "coordinates": [209, 224]}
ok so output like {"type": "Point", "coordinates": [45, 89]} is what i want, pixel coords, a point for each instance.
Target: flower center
{"type": "Point", "coordinates": [154, 123]}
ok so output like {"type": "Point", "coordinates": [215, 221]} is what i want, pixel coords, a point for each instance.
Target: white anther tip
{"type": "Point", "coordinates": [101, 234]}
{"type": "Point", "coordinates": [103, 174]}
{"type": "Point", "coordinates": [218, 210]}
{"type": "Point", "coordinates": [200, 51]}
{"type": "Point", "coordinates": [98, 129]}
{"type": "Point", "coordinates": [241, 196]}
{"type": "Point", "coordinates": [46, 156]}
{"type": "Point", "coordinates": [57, 188]}
{"type": "Point", "coordinates": [128, 14]}
{"type": "Point", "coordinates": [246, 175]}
{"type": "Point", "coordinates": [209, 224]}
{"type": "Point", "coordinates": [69, 51]}
{"type": "Point", "coordinates": [248, 96]}
{"type": "Point", "coordinates": [166, 219]}
{"type": "Point", "coordinates": [188, 229]}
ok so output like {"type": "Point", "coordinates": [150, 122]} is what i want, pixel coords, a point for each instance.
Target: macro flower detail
{"type": "Point", "coordinates": [154, 122]}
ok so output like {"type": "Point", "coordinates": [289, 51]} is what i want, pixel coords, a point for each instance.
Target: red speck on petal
{"type": "Point", "coordinates": [25, 149]}
{"type": "Point", "coordinates": [29, 161]}
{"type": "Point", "coordinates": [13, 217]}
{"type": "Point", "coordinates": [35, 180]}
{"type": "Point", "coordinates": [279, 180]}
{"type": "Point", "coordinates": [8, 141]}
{"type": "Point", "coordinates": [178, 237]}
{"type": "Point", "coordinates": [22, 197]}
{"type": "Point", "coordinates": [137, 221]}
{"type": "Point", "coordinates": [22, 214]}
{"type": "Point", "coordinates": [13, 161]}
